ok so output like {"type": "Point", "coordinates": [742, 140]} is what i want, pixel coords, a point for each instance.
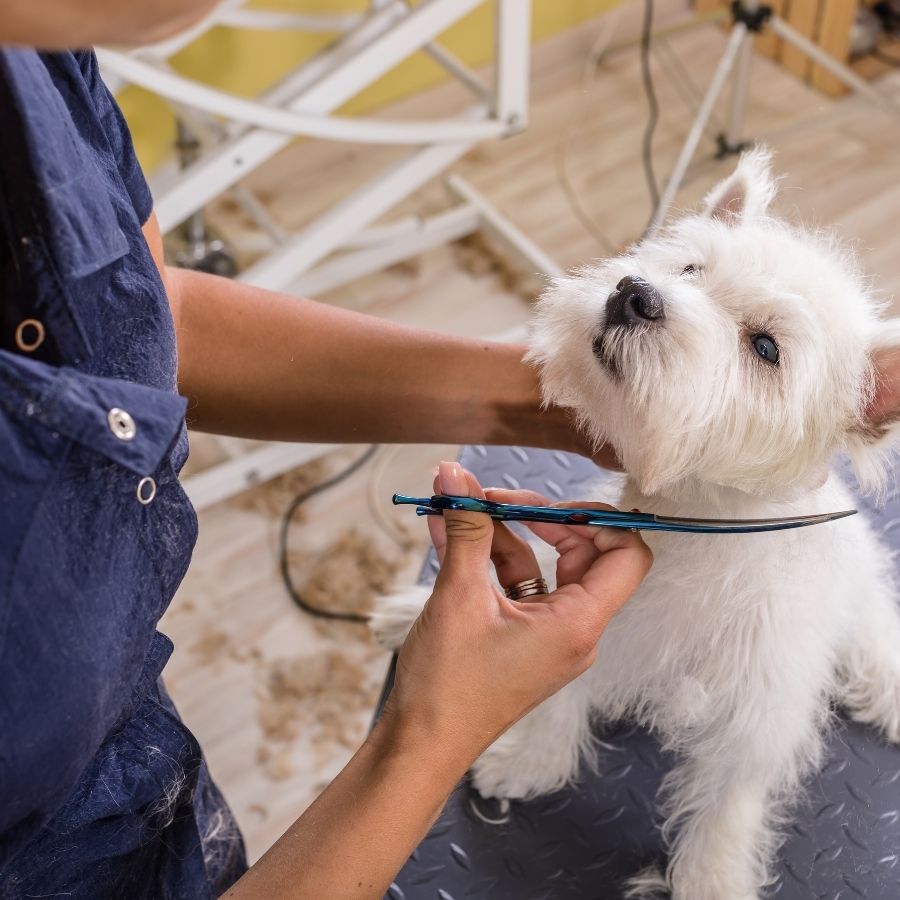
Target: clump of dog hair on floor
{"type": "Point", "coordinates": [325, 697]}
{"type": "Point", "coordinates": [476, 255]}
{"type": "Point", "coordinates": [210, 647]}
{"type": "Point", "coordinates": [273, 496]}
{"type": "Point", "coordinates": [348, 574]}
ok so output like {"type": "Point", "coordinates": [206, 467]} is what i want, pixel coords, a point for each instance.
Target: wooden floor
{"type": "Point", "coordinates": [279, 701]}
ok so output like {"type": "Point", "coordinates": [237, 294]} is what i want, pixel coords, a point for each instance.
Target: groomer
{"type": "Point", "coordinates": [103, 791]}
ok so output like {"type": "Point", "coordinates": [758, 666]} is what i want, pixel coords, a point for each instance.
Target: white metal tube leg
{"type": "Point", "coordinates": [500, 226]}
{"type": "Point", "coordinates": [735, 41]}
{"type": "Point", "coordinates": [741, 89]}
{"type": "Point", "coordinates": [512, 47]}
{"type": "Point", "coordinates": [359, 60]}
{"type": "Point", "coordinates": [329, 230]}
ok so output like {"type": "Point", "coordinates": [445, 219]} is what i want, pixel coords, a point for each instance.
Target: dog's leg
{"type": "Point", "coordinates": [722, 844]}
{"type": "Point", "coordinates": [870, 663]}
{"type": "Point", "coordinates": [541, 752]}
{"type": "Point", "coordinates": [723, 799]}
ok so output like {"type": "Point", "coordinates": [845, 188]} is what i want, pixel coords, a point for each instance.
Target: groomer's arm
{"type": "Point", "coordinates": [354, 839]}
{"type": "Point", "coordinates": [259, 364]}
{"type": "Point", "coordinates": [473, 664]}
{"type": "Point", "coordinates": [61, 24]}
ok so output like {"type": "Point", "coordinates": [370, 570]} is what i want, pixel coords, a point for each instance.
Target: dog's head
{"type": "Point", "coordinates": [730, 349]}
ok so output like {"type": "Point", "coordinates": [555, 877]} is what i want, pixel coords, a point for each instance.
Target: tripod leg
{"type": "Point", "coordinates": [731, 141]}
{"type": "Point", "coordinates": [838, 69]}
{"type": "Point", "coordinates": [735, 43]}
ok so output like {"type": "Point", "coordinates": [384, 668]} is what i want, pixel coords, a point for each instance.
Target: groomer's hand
{"type": "Point", "coordinates": [475, 662]}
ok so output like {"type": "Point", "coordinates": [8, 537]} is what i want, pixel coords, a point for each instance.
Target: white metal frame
{"type": "Point", "coordinates": [344, 242]}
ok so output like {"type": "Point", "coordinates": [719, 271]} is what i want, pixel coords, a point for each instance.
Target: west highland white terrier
{"type": "Point", "coordinates": [726, 359]}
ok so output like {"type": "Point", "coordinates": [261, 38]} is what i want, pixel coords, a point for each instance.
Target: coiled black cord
{"type": "Point", "coordinates": [283, 563]}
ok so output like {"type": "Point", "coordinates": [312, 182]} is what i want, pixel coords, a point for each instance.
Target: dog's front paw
{"type": "Point", "coordinates": [652, 884]}
{"type": "Point", "coordinates": [394, 615]}
{"type": "Point", "coordinates": [691, 880]}
{"type": "Point", "coordinates": [648, 884]}
{"type": "Point", "coordinates": [508, 771]}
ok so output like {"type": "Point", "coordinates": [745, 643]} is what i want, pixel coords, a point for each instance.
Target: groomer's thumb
{"type": "Point", "coordinates": [468, 534]}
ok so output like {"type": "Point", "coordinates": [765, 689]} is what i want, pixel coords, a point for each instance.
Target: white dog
{"type": "Point", "coordinates": [726, 360]}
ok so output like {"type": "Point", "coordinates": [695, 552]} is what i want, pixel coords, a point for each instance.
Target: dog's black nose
{"type": "Point", "coordinates": [634, 300]}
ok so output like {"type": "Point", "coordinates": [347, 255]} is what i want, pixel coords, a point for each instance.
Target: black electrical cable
{"type": "Point", "coordinates": [283, 563]}
{"type": "Point", "coordinates": [652, 104]}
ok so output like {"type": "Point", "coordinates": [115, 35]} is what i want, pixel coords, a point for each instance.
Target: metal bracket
{"type": "Point", "coordinates": [753, 17]}
{"type": "Point", "coordinates": [726, 148]}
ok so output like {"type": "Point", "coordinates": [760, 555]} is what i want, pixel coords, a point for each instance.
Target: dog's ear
{"type": "Point", "coordinates": [747, 192]}
{"type": "Point", "coordinates": [877, 434]}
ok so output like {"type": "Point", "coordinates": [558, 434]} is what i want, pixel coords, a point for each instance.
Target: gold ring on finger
{"type": "Point", "coordinates": [529, 588]}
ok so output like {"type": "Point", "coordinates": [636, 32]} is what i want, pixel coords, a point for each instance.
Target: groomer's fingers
{"type": "Point", "coordinates": [469, 534]}
{"type": "Point", "coordinates": [436, 528]}
{"type": "Point", "coordinates": [576, 556]}
{"type": "Point", "coordinates": [438, 533]}
{"type": "Point", "coordinates": [575, 544]}
{"type": "Point", "coordinates": [513, 558]}
{"type": "Point", "coordinates": [608, 582]}
{"type": "Point", "coordinates": [547, 531]}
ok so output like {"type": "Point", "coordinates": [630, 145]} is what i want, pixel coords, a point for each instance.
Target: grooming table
{"type": "Point", "coordinates": [582, 842]}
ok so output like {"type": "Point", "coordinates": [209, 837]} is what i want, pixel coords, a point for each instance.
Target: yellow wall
{"type": "Point", "coordinates": [247, 62]}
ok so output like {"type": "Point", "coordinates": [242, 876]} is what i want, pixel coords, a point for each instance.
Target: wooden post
{"type": "Point", "coordinates": [835, 21]}
{"type": "Point", "coordinates": [768, 43]}
{"type": "Point", "coordinates": [803, 15]}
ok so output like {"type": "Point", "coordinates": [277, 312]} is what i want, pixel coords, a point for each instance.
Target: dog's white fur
{"type": "Point", "coordinates": [733, 647]}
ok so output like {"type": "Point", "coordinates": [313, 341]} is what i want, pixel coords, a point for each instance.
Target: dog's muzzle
{"type": "Point", "coordinates": [634, 301]}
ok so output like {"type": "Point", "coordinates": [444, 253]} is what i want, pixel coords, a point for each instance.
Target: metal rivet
{"type": "Point", "coordinates": [146, 490]}
{"type": "Point", "coordinates": [121, 424]}
{"type": "Point", "coordinates": [30, 335]}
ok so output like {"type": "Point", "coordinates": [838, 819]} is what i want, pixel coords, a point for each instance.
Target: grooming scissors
{"type": "Point", "coordinates": [608, 518]}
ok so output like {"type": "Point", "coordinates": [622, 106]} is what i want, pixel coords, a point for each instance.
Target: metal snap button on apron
{"type": "Point", "coordinates": [30, 335]}
{"type": "Point", "coordinates": [146, 490]}
{"type": "Point", "coordinates": [121, 424]}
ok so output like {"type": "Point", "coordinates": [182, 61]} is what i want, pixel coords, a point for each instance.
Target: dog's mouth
{"type": "Point", "coordinates": [613, 345]}
{"type": "Point", "coordinates": [604, 353]}
{"type": "Point", "coordinates": [634, 308]}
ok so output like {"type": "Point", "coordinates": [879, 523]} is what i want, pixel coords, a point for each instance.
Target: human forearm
{"type": "Point", "coordinates": [60, 24]}
{"type": "Point", "coordinates": [265, 365]}
{"type": "Point", "coordinates": [356, 836]}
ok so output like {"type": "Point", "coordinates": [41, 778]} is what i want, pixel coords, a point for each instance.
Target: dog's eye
{"type": "Point", "coordinates": [765, 347]}
{"type": "Point", "coordinates": [690, 271]}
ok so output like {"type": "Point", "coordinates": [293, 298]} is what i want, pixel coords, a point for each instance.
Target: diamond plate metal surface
{"type": "Point", "coordinates": [582, 842]}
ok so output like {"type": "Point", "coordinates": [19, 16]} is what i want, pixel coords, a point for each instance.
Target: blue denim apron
{"type": "Point", "coordinates": [103, 791]}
